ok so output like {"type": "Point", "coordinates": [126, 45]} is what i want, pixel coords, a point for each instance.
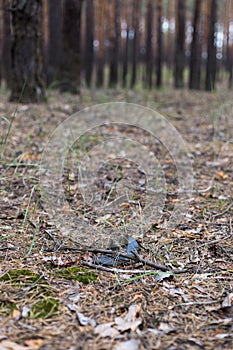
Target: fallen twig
{"type": "Point", "coordinates": [150, 263]}
{"type": "Point", "coordinates": [136, 258]}
{"type": "Point", "coordinates": [114, 270]}
{"type": "Point", "coordinates": [224, 212]}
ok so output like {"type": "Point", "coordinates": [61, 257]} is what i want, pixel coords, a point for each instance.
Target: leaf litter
{"type": "Point", "coordinates": [153, 308]}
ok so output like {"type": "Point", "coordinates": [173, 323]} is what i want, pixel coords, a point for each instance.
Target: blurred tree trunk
{"type": "Point", "coordinates": [100, 18]}
{"type": "Point", "coordinates": [70, 63]}
{"type": "Point", "coordinates": [159, 44]}
{"type": "Point", "coordinates": [54, 42]}
{"type": "Point", "coordinates": [27, 59]}
{"type": "Point", "coordinates": [168, 48]}
{"type": "Point", "coordinates": [1, 43]}
{"type": "Point", "coordinates": [89, 52]}
{"type": "Point", "coordinates": [211, 48]}
{"type": "Point", "coordinates": [149, 36]}
{"type": "Point", "coordinates": [126, 46]}
{"type": "Point", "coordinates": [180, 42]}
{"type": "Point", "coordinates": [228, 49]}
{"type": "Point", "coordinates": [125, 60]}
{"type": "Point", "coordinates": [6, 46]}
{"type": "Point", "coordinates": [195, 60]}
{"type": "Point", "coordinates": [115, 35]}
{"type": "Point", "coordinates": [230, 65]}
{"type": "Point", "coordinates": [135, 22]}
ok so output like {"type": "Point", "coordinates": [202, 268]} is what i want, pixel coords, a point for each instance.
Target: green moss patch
{"type": "Point", "coordinates": [44, 308]}
{"type": "Point", "coordinates": [7, 307]}
{"type": "Point", "coordinates": [20, 276]}
{"type": "Point", "coordinates": [35, 291]}
{"type": "Point", "coordinates": [77, 274]}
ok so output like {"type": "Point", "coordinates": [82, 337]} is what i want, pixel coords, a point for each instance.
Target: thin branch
{"type": "Point", "coordinates": [224, 212]}
{"type": "Point", "coordinates": [136, 258]}
{"type": "Point", "coordinates": [150, 263]}
{"type": "Point", "coordinates": [114, 270]}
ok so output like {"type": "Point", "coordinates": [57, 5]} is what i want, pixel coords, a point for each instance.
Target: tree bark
{"type": "Point", "coordinates": [195, 60]}
{"type": "Point", "coordinates": [6, 47]}
{"type": "Point", "coordinates": [159, 44]}
{"type": "Point", "coordinates": [149, 36]}
{"type": "Point", "coordinates": [180, 42]}
{"type": "Point", "coordinates": [54, 42]}
{"type": "Point", "coordinates": [89, 52]}
{"type": "Point", "coordinates": [100, 16]}
{"type": "Point", "coordinates": [136, 10]}
{"type": "Point", "coordinates": [71, 29]}
{"type": "Point", "coordinates": [211, 48]}
{"type": "Point", "coordinates": [114, 44]}
{"type": "Point", "coordinates": [27, 60]}
{"type": "Point", "coordinates": [126, 47]}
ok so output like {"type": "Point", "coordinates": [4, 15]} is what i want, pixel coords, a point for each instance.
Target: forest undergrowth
{"type": "Point", "coordinates": [57, 295]}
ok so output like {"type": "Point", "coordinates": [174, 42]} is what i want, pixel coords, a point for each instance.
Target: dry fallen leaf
{"type": "Point", "coordinates": [106, 330]}
{"type": "Point", "coordinates": [121, 324]}
{"type": "Point", "coordinates": [34, 344]}
{"type": "Point", "coordinates": [84, 320]}
{"type": "Point", "coordinates": [228, 301]}
{"type": "Point", "coordinates": [10, 345]}
{"type": "Point", "coordinates": [131, 344]}
{"type": "Point", "coordinates": [132, 313]}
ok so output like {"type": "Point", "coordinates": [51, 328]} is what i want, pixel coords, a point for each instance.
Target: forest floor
{"type": "Point", "coordinates": [54, 295]}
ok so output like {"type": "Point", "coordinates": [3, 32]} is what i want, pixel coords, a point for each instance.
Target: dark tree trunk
{"type": "Point", "coordinates": [54, 42]}
{"type": "Point", "coordinates": [100, 12]}
{"type": "Point", "coordinates": [125, 50]}
{"type": "Point", "coordinates": [89, 52]}
{"type": "Point", "coordinates": [149, 36]}
{"type": "Point", "coordinates": [136, 9]}
{"type": "Point", "coordinates": [180, 42]}
{"type": "Point", "coordinates": [27, 60]}
{"type": "Point", "coordinates": [211, 48]}
{"type": "Point", "coordinates": [195, 60]}
{"type": "Point", "coordinates": [71, 32]}
{"type": "Point", "coordinates": [229, 65]}
{"type": "Point", "coordinates": [125, 60]}
{"type": "Point", "coordinates": [159, 44]}
{"type": "Point", "coordinates": [115, 46]}
{"type": "Point", "coordinates": [6, 47]}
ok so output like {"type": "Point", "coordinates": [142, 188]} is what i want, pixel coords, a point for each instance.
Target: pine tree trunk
{"type": "Point", "coordinates": [195, 60]}
{"type": "Point", "coordinates": [89, 52]}
{"type": "Point", "coordinates": [100, 16]}
{"type": "Point", "coordinates": [114, 44]}
{"type": "Point", "coordinates": [149, 55]}
{"type": "Point", "coordinates": [71, 30]}
{"type": "Point", "coordinates": [6, 47]}
{"type": "Point", "coordinates": [211, 49]}
{"type": "Point", "coordinates": [27, 59]}
{"type": "Point", "coordinates": [55, 37]}
{"type": "Point", "coordinates": [136, 10]}
{"type": "Point", "coordinates": [180, 41]}
{"type": "Point", "coordinates": [126, 47]}
{"type": "Point", "coordinates": [159, 44]}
